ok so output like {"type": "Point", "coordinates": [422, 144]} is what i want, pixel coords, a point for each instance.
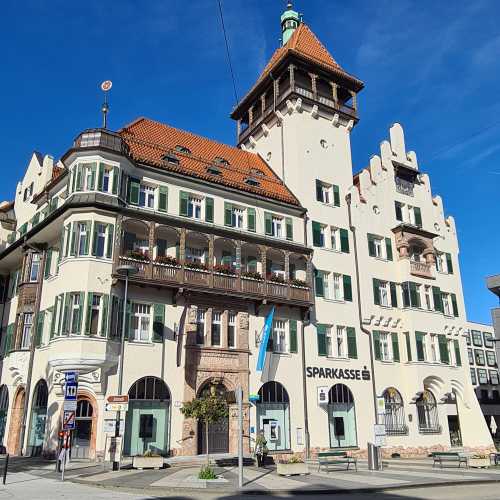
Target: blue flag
{"type": "Point", "coordinates": [264, 340]}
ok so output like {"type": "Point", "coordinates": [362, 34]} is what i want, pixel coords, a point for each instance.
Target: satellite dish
{"type": "Point", "coordinates": [106, 85]}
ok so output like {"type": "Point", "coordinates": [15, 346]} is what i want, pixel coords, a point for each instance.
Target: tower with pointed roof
{"type": "Point", "coordinates": [290, 20]}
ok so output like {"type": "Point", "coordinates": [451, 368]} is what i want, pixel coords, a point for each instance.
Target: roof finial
{"type": "Point", "coordinates": [290, 21]}
{"type": "Point", "coordinates": [105, 87]}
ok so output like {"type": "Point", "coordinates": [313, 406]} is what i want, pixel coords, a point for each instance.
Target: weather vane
{"type": "Point", "coordinates": [105, 87]}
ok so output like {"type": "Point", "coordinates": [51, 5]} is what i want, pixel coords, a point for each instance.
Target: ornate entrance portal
{"type": "Point", "coordinates": [218, 433]}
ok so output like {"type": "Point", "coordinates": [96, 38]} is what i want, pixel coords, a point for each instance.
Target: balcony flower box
{"type": "Point", "coordinates": [167, 260]}
{"type": "Point", "coordinates": [147, 462]}
{"type": "Point", "coordinates": [292, 467]}
{"type": "Point", "coordinates": [479, 461]}
{"type": "Point", "coordinates": [138, 256]}
{"type": "Point", "coordinates": [222, 269]}
{"type": "Point", "coordinates": [196, 266]}
{"type": "Point", "coordinates": [299, 283]}
{"type": "Point", "coordinates": [277, 278]}
{"type": "Point", "coordinates": [249, 275]}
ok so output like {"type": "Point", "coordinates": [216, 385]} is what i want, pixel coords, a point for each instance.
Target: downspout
{"type": "Point", "coordinates": [360, 314]}
{"type": "Point", "coordinates": [32, 349]}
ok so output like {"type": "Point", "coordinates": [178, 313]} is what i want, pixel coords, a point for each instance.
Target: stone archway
{"type": "Point", "coordinates": [16, 421]}
{"type": "Point", "coordinates": [87, 410]}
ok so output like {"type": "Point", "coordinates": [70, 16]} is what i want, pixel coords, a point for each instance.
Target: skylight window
{"type": "Point", "coordinates": [182, 149]}
{"type": "Point", "coordinates": [221, 161]}
{"type": "Point", "coordinates": [171, 158]}
{"type": "Point", "coordinates": [257, 172]}
{"type": "Point", "coordinates": [252, 182]}
{"type": "Point", "coordinates": [214, 170]}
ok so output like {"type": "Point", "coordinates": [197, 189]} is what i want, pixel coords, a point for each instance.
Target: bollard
{"type": "Point", "coordinates": [6, 465]}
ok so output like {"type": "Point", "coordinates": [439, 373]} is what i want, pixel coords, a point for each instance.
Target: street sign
{"type": "Point", "coordinates": [116, 406]}
{"type": "Point", "coordinates": [69, 422]}
{"type": "Point", "coordinates": [69, 405]}
{"type": "Point", "coordinates": [110, 426]}
{"type": "Point", "coordinates": [379, 429]}
{"type": "Point", "coordinates": [70, 386]}
{"type": "Point", "coordinates": [379, 441]}
{"type": "Point", "coordinates": [118, 399]}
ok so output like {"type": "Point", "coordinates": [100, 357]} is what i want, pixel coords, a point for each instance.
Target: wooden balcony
{"type": "Point", "coordinates": [183, 276]}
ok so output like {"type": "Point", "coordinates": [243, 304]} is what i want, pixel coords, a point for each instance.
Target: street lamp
{"type": "Point", "coordinates": [125, 271]}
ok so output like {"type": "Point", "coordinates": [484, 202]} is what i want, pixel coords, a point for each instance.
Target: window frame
{"type": "Point", "coordinates": [35, 262]}
{"type": "Point", "coordinates": [141, 315]}
{"type": "Point", "coordinates": [285, 329]}
{"type": "Point", "coordinates": [476, 334]}
{"type": "Point", "coordinates": [27, 331]}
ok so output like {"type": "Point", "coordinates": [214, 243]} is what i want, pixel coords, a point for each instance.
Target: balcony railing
{"type": "Point", "coordinates": [434, 429]}
{"type": "Point", "coordinates": [182, 274]}
{"type": "Point", "coordinates": [420, 269]}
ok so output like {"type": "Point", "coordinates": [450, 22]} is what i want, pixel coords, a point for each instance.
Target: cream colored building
{"type": "Point", "coordinates": [222, 237]}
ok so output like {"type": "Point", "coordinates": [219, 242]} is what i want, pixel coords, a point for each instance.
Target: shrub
{"type": "Point", "coordinates": [294, 459]}
{"type": "Point", "coordinates": [276, 278]}
{"type": "Point", "coordinates": [207, 473]}
{"type": "Point", "coordinates": [297, 282]}
{"type": "Point", "coordinates": [138, 255]}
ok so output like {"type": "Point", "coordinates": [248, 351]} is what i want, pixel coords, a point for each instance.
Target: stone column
{"type": "Point", "coordinates": [152, 242]}
{"type": "Point", "coordinates": [208, 326]}
{"type": "Point", "coordinates": [335, 93]}
{"type": "Point", "coordinates": [314, 84]}
{"type": "Point", "coordinates": [291, 70]}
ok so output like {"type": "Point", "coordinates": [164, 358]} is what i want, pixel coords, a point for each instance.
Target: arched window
{"type": "Point", "coordinates": [273, 415]}
{"type": "Point", "coordinates": [38, 418]}
{"type": "Point", "coordinates": [84, 409]}
{"type": "Point", "coordinates": [394, 413]}
{"type": "Point", "coordinates": [4, 407]}
{"type": "Point", "coordinates": [428, 420]}
{"type": "Point", "coordinates": [341, 417]}
{"type": "Point", "coordinates": [151, 388]}
{"type": "Point", "coordinates": [41, 395]}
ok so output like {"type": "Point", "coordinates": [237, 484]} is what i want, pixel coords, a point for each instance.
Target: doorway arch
{"type": "Point", "coordinates": [273, 415]}
{"type": "Point", "coordinates": [341, 417]}
{"type": "Point", "coordinates": [218, 433]}
{"type": "Point", "coordinates": [38, 418]}
{"type": "Point", "coordinates": [16, 421]}
{"type": "Point", "coordinates": [4, 408]}
{"type": "Point", "coordinates": [84, 436]}
{"type": "Point", "coordinates": [147, 425]}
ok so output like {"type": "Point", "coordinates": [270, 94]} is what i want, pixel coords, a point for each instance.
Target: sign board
{"type": "Point", "coordinates": [70, 386]}
{"type": "Point", "coordinates": [323, 395]}
{"type": "Point", "coordinates": [300, 436]}
{"type": "Point", "coordinates": [110, 425]}
{"type": "Point", "coordinates": [379, 430]}
{"type": "Point", "coordinates": [118, 399]}
{"type": "Point", "coordinates": [69, 405]}
{"type": "Point", "coordinates": [381, 406]}
{"type": "Point", "coordinates": [379, 441]}
{"type": "Point", "coordinates": [69, 422]}
{"type": "Point", "coordinates": [113, 449]}
{"type": "Point", "coordinates": [116, 406]}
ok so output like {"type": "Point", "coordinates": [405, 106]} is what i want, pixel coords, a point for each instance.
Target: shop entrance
{"type": "Point", "coordinates": [453, 420]}
{"type": "Point", "coordinates": [218, 433]}
{"type": "Point", "coordinates": [38, 418]}
{"type": "Point", "coordinates": [82, 435]}
{"type": "Point", "coordinates": [341, 417]}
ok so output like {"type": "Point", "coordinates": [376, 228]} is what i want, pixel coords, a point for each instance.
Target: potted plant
{"type": "Point", "coordinates": [292, 466]}
{"type": "Point", "coordinates": [224, 269]}
{"type": "Point", "coordinates": [254, 275]}
{"type": "Point", "coordinates": [299, 283]}
{"type": "Point", "coordinates": [276, 278]}
{"type": "Point", "coordinates": [197, 266]}
{"type": "Point", "coordinates": [479, 460]}
{"type": "Point", "coordinates": [167, 260]}
{"type": "Point", "coordinates": [149, 460]}
{"type": "Point", "coordinates": [138, 255]}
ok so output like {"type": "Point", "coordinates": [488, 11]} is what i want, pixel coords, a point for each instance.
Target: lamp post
{"type": "Point", "coordinates": [125, 271]}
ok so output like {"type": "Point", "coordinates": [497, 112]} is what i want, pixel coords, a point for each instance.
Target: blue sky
{"type": "Point", "coordinates": [432, 66]}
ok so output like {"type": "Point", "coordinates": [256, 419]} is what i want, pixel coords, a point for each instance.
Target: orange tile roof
{"type": "Point", "coordinates": [149, 141]}
{"type": "Point", "coordinates": [305, 44]}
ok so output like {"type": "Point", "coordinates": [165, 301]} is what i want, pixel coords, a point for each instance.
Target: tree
{"type": "Point", "coordinates": [210, 408]}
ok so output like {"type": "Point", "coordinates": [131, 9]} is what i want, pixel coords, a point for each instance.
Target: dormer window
{"type": "Point", "coordinates": [257, 172]}
{"type": "Point", "coordinates": [221, 161]}
{"type": "Point", "coordinates": [171, 158]}
{"type": "Point", "coordinates": [252, 182]}
{"type": "Point", "coordinates": [182, 149]}
{"type": "Point", "coordinates": [213, 170]}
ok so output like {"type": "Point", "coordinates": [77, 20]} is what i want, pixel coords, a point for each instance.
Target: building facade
{"type": "Point", "coordinates": [360, 272]}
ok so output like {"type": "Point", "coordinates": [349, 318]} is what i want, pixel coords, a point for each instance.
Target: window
{"type": "Point", "coordinates": [35, 267]}
{"type": "Point", "coordinates": [341, 342]}
{"type": "Point", "coordinates": [94, 314]}
{"type": "Point", "coordinates": [106, 175]}
{"type": "Point", "coordinates": [280, 343]}
{"type": "Point", "coordinates": [100, 239]}
{"type": "Point", "coordinates": [407, 213]}
{"type": "Point", "coordinates": [383, 293]}
{"type": "Point", "coordinates": [467, 337]}
{"type": "Point", "coordinates": [83, 238]}
{"type": "Point", "coordinates": [90, 171]}
{"type": "Point", "coordinates": [231, 330]}
{"type": "Point", "coordinates": [488, 340]}
{"type": "Point", "coordinates": [216, 328]}
{"type": "Point", "coordinates": [446, 304]}
{"type": "Point", "coordinates": [27, 326]}
{"type": "Point", "coordinates": [194, 207]}
{"type": "Point", "coordinates": [379, 247]}
{"type": "Point", "coordinates": [434, 348]}
{"type": "Point", "coordinates": [195, 255]}
{"type": "Point", "coordinates": [491, 359]}
{"type": "Point", "coordinates": [470, 355]}
{"type": "Point", "coordinates": [482, 376]}
{"type": "Point", "coordinates": [493, 378]}
{"type": "Point", "coordinates": [394, 417]}
{"type": "Point", "coordinates": [439, 262]}
{"type": "Point", "coordinates": [335, 238]}
{"type": "Point", "coordinates": [200, 326]}
{"type": "Point", "coordinates": [337, 287]}
{"type": "Point", "coordinates": [327, 193]}
{"type": "Point", "coordinates": [277, 227]}
{"type": "Point", "coordinates": [237, 217]}
{"type": "Point", "coordinates": [385, 346]}
{"type": "Point", "coordinates": [146, 196]}
{"type": "Point", "coordinates": [473, 376]}
{"type": "Point", "coordinates": [141, 321]}
{"type": "Point", "coordinates": [421, 346]}
{"type": "Point", "coordinates": [75, 318]}
{"type": "Point", "coordinates": [427, 413]}
{"type": "Point", "coordinates": [477, 339]}
{"type": "Point", "coordinates": [411, 294]}
{"type": "Point", "coordinates": [329, 341]}
{"type": "Point", "coordinates": [479, 355]}
{"type": "Point", "coordinates": [428, 297]}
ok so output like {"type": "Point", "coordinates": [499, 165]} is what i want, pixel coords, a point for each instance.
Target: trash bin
{"type": "Point", "coordinates": [373, 457]}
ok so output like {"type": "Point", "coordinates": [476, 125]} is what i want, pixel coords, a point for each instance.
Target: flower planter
{"type": "Point", "coordinates": [292, 469]}
{"type": "Point", "coordinates": [479, 462]}
{"type": "Point", "coordinates": [147, 462]}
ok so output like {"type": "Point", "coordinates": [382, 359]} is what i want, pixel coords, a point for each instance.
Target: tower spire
{"type": "Point", "coordinates": [290, 20]}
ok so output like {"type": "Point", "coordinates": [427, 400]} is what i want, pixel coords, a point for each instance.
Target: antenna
{"type": "Point", "coordinates": [105, 87]}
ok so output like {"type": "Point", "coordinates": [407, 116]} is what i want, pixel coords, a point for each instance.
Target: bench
{"type": "Point", "coordinates": [450, 457]}
{"type": "Point", "coordinates": [328, 458]}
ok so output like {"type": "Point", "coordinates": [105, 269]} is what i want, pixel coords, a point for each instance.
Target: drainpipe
{"type": "Point", "coordinates": [362, 328]}
{"type": "Point", "coordinates": [32, 348]}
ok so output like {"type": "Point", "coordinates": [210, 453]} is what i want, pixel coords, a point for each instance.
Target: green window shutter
{"type": "Point", "coordinates": [109, 246]}
{"type": "Point", "coordinates": [414, 296]}
{"type": "Point", "coordinates": [134, 188]}
{"type": "Point", "coordinates": [344, 241]}
{"type": "Point", "coordinates": [347, 287]}
{"type": "Point", "coordinates": [395, 346]}
{"type": "Point", "coordinates": [251, 219]}
{"type": "Point", "coordinates": [163, 198]}
{"type": "Point", "coordinates": [209, 209]}
{"type": "Point", "coordinates": [60, 314]}
{"type": "Point", "coordinates": [352, 349]}
{"type": "Point", "coordinates": [72, 248]}
{"type": "Point", "coordinates": [72, 183]}
{"type": "Point", "coordinates": [438, 301]}
{"type": "Point", "coordinates": [399, 211]}
{"type": "Point", "coordinates": [183, 203]}
{"type": "Point", "coordinates": [376, 292]}
{"type": "Point", "coordinates": [319, 190]}
{"type": "Point", "coordinates": [293, 335]}
{"type": "Point", "coordinates": [100, 176]}
{"type": "Point", "coordinates": [158, 322]}
{"type": "Point", "coordinates": [449, 263]}
{"type": "Point", "coordinates": [418, 216]}
{"type": "Point", "coordinates": [93, 235]}
{"type": "Point", "coordinates": [90, 299]}
{"type": "Point", "coordinates": [53, 313]}
{"type": "Point", "coordinates": [79, 177]}
{"type": "Point", "coordinates": [394, 294]}
{"type": "Point", "coordinates": [316, 229]}
{"type": "Point", "coordinates": [8, 338]}
{"type": "Point", "coordinates": [336, 196]}
{"type": "Point", "coordinates": [388, 248]}
{"type": "Point", "coordinates": [458, 359]}
{"type": "Point", "coordinates": [289, 228]}
{"type": "Point", "coordinates": [228, 219]}
{"type": "Point", "coordinates": [408, 346]}
{"type": "Point", "coordinates": [268, 223]}
{"type": "Point", "coordinates": [419, 337]}
{"type": "Point", "coordinates": [39, 328]}
{"type": "Point", "coordinates": [443, 349]}
{"type": "Point", "coordinates": [116, 178]}
{"type": "Point", "coordinates": [93, 170]}
{"type": "Point", "coordinates": [454, 304]}
{"type": "Point", "coordinates": [406, 293]}
{"type": "Point", "coordinates": [48, 263]}
{"type": "Point", "coordinates": [66, 317]}
{"type": "Point", "coordinates": [371, 245]}
{"type": "Point", "coordinates": [78, 327]}
{"type": "Point", "coordinates": [318, 283]}
{"type": "Point", "coordinates": [105, 315]}
{"type": "Point", "coordinates": [88, 232]}
{"type": "Point", "coordinates": [321, 334]}
{"type": "Point", "coordinates": [376, 344]}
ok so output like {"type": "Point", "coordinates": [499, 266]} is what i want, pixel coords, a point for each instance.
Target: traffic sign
{"type": "Point", "coordinates": [71, 386]}
{"type": "Point", "coordinates": [69, 422]}
{"type": "Point", "coordinates": [69, 405]}
{"type": "Point", "coordinates": [118, 399]}
{"type": "Point", "coordinates": [116, 406]}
